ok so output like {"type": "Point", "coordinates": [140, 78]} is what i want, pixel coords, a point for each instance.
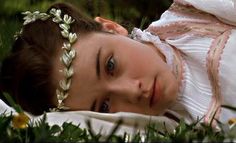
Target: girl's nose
{"type": "Point", "coordinates": [130, 90]}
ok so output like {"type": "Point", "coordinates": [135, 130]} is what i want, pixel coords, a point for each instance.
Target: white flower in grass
{"type": "Point", "coordinates": [57, 14]}
{"type": "Point", "coordinates": [60, 104]}
{"type": "Point", "coordinates": [17, 34]}
{"type": "Point", "coordinates": [67, 19]}
{"type": "Point", "coordinates": [31, 17]}
{"type": "Point", "coordinates": [53, 11]}
{"type": "Point", "coordinates": [28, 17]}
{"type": "Point", "coordinates": [67, 57]}
{"type": "Point", "coordinates": [72, 37]}
{"type": "Point", "coordinates": [44, 16]}
{"type": "Point", "coordinates": [59, 93]}
{"type": "Point", "coordinates": [65, 33]}
{"type": "Point", "coordinates": [72, 53]}
{"type": "Point", "coordinates": [26, 13]}
{"type": "Point", "coordinates": [66, 46]}
{"type": "Point", "coordinates": [65, 84]}
{"type": "Point", "coordinates": [68, 72]}
{"type": "Point", "coordinates": [66, 60]}
{"type": "Point", "coordinates": [57, 19]}
{"type": "Point", "coordinates": [64, 26]}
{"type": "Point", "coordinates": [62, 97]}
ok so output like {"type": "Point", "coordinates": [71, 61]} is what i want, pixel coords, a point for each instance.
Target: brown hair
{"type": "Point", "coordinates": [27, 71]}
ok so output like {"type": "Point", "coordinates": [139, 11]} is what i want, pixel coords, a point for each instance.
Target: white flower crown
{"type": "Point", "coordinates": [68, 52]}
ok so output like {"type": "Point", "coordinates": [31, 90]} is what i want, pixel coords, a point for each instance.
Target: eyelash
{"type": "Point", "coordinates": [109, 68]}
{"type": "Point", "coordinates": [110, 62]}
{"type": "Point", "coordinates": [105, 106]}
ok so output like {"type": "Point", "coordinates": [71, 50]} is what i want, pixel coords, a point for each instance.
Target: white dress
{"type": "Point", "coordinates": [208, 52]}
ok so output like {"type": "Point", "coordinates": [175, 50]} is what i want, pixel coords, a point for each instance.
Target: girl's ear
{"type": "Point", "coordinates": [111, 26]}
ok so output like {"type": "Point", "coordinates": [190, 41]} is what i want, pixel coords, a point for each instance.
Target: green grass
{"type": "Point", "coordinates": [7, 31]}
{"type": "Point", "coordinates": [41, 132]}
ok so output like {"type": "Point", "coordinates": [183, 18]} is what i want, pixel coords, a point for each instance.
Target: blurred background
{"type": "Point", "coordinates": [129, 13]}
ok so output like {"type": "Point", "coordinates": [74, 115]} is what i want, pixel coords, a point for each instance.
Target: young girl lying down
{"type": "Point", "coordinates": [181, 66]}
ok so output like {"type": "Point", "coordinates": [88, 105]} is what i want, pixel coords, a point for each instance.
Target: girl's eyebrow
{"type": "Point", "coordinates": [98, 63]}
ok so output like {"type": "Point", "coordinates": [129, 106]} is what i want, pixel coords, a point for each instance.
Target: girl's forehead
{"type": "Point", "coordinates": [99, 39]}
{"type": "Point", "coordinates": [85, 64]}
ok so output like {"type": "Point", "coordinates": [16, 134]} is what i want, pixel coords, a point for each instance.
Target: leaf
{"type": "Point", "coordinates": [5, 122]}
{"type": "Point", "coordinates": [12, 103]}
{"type": "Point", "coordinates": [229, 107]}
{"type": "Point", "coordinates": [118, 123]}
{"type": "Point", "coordinates": [55, 129]}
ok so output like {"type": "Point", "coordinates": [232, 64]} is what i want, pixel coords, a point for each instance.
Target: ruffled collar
{"type": "Point", "coordinates": [145, 36]}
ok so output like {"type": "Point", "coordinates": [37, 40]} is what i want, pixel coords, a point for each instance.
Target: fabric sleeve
{"type": "Point", "coordinates": [4, 108]}
{"type": "Point", "coordinates": [224, 10]}
{"type": "Point", "coordinates": [102, 123]}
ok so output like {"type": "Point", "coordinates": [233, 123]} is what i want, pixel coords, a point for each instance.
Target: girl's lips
{"type": "Point", "coordinates": [155, 93]}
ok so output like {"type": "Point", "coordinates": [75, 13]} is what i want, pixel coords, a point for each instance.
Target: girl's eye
{"type": "Point", "coordinates": [110, 66]}
{"type": "Point", "coordinates": [105, 106]}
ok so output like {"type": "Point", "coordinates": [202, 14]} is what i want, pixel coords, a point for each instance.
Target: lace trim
{"type": "Point", "coordinates": [167, 51]}
{"type": "Point", "coordinates": [213, 62]}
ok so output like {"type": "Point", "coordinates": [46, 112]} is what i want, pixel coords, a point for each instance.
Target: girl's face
{"type": "Point", "coordinates": [114, 73]}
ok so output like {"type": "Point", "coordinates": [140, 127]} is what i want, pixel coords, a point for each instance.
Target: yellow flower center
{"type": "Point", "coordinates": [20, 121]}
{"type": "Point", "coordinates": [232, 121]}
